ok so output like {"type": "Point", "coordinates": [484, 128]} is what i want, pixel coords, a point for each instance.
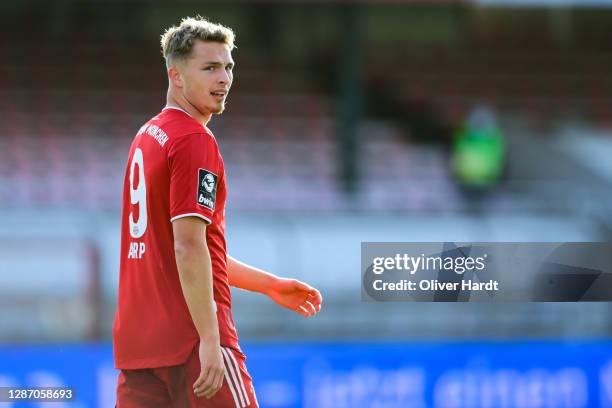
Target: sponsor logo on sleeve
{"type": "Point", "coordinates": [207, 188]}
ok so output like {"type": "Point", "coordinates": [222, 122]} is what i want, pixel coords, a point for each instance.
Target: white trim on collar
{"type": "Point", "coordinates": [177, 108]}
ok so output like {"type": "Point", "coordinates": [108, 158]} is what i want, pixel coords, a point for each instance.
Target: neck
{"type": "Point", "coordinates": [179, 101]}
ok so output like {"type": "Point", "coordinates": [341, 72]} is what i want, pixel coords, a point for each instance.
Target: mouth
{"type": "Point", "coordinates": [219, 95]}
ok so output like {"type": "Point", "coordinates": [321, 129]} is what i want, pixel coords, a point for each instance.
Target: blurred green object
{"type": "Point", "coordinates": [479, 151]}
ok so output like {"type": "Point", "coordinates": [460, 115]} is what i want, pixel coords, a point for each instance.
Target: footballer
{"type": "Point", "coordinates": [174, 337]}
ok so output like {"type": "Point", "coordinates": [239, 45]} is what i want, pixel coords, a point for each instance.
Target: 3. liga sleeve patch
{"type": "Point", "coordinates": [207, 188]}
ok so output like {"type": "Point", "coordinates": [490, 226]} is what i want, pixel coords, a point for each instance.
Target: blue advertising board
{"type": "Point", "coordinates": [390, 375]}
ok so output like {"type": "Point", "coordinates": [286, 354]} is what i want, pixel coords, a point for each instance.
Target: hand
{"type": "Point", "coordinates": [296, 296]}
{"type": "Point", "coordinates": [212, 370]}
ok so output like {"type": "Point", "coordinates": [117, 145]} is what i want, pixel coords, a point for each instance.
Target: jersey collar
{"type": "Point", "coordinates": [177, 108]}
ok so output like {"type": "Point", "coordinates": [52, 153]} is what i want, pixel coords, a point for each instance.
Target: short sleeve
{"type": "Point", "coordinates": [195, 170]}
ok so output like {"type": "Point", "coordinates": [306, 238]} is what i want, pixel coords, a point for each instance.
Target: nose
{"type": "Point", "coordinates": [225, 77]}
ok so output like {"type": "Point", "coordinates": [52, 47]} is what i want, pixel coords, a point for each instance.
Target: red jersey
{"type": "Point", "coordinates": [174, 170]}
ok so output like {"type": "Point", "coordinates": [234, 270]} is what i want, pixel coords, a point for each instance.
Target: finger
{"type": "Point", "coordinates": [208, 389]}
{"type": "Point", "coordinates": [200, 389]}
{"type": "Point", "coordinates": [307, 308]}
{"type": "Point", "coordinates": [316, 299]}
{"type": "Point", "coordinates": [316, 295]}
{"type": "Point", "coordinates": [313, 301]}
{"type": "Point", "coordinates": [216, 384]}
{"type": "Point", "coordinates": [200, 380]}
{"type": "Point", "coordinates": [204, 390]}
{"type": "Point", "coordinates": [204, 384]}
{"type": "Point", "coordinates": [311, 308]}
{"type": "Point", "coordinates": [219, 382]}
{"type": "Point", "coordinates": [308, 290]}
{"type": "Point", "coordinates": [302, 310]}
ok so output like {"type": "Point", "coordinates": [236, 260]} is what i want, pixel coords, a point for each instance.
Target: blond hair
{"type": "Point", "coordinates": [177, 42]}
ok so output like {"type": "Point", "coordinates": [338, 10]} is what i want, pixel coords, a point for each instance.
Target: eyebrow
{"type": "Point", "coordinates": [218, 63]}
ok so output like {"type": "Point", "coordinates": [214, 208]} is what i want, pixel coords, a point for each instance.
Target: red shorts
{"type": "Point", "coordinates": [172, 387]}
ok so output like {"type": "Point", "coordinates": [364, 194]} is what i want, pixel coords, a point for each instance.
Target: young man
{"type": "Point", "coordinates": [174, 336]}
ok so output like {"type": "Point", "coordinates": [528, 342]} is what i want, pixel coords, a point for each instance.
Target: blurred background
{"type": "Point", "coordinates": [348, 122]}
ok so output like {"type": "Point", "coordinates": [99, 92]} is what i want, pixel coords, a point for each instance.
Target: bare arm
{"type": "Point", "coordinates": [290, 293]}
{"type": "Point", "coordinates": [195, 274]}
{"type": "Point", "coordinates": [247, 277]}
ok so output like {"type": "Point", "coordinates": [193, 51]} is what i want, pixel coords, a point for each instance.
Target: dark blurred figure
{"type": "Point", "coordinates": [417, 115]}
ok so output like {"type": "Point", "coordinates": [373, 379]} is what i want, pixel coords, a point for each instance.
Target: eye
{"type": "Point", "coordinates": [229, 68]}
{"type": "Point", "coordinates": [211, 68]}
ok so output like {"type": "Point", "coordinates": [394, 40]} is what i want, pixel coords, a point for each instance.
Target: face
{"type": "Point", "coordinates": [206, 77]}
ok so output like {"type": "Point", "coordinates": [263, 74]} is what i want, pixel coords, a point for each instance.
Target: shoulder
{"type": "Point", "coordinates": [199, 142]}
{"type": "Point", "coordinates": [178, 123]}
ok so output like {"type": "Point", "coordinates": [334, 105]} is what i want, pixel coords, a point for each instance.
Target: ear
{"type": "Point", "coordinates": [175, 77]}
